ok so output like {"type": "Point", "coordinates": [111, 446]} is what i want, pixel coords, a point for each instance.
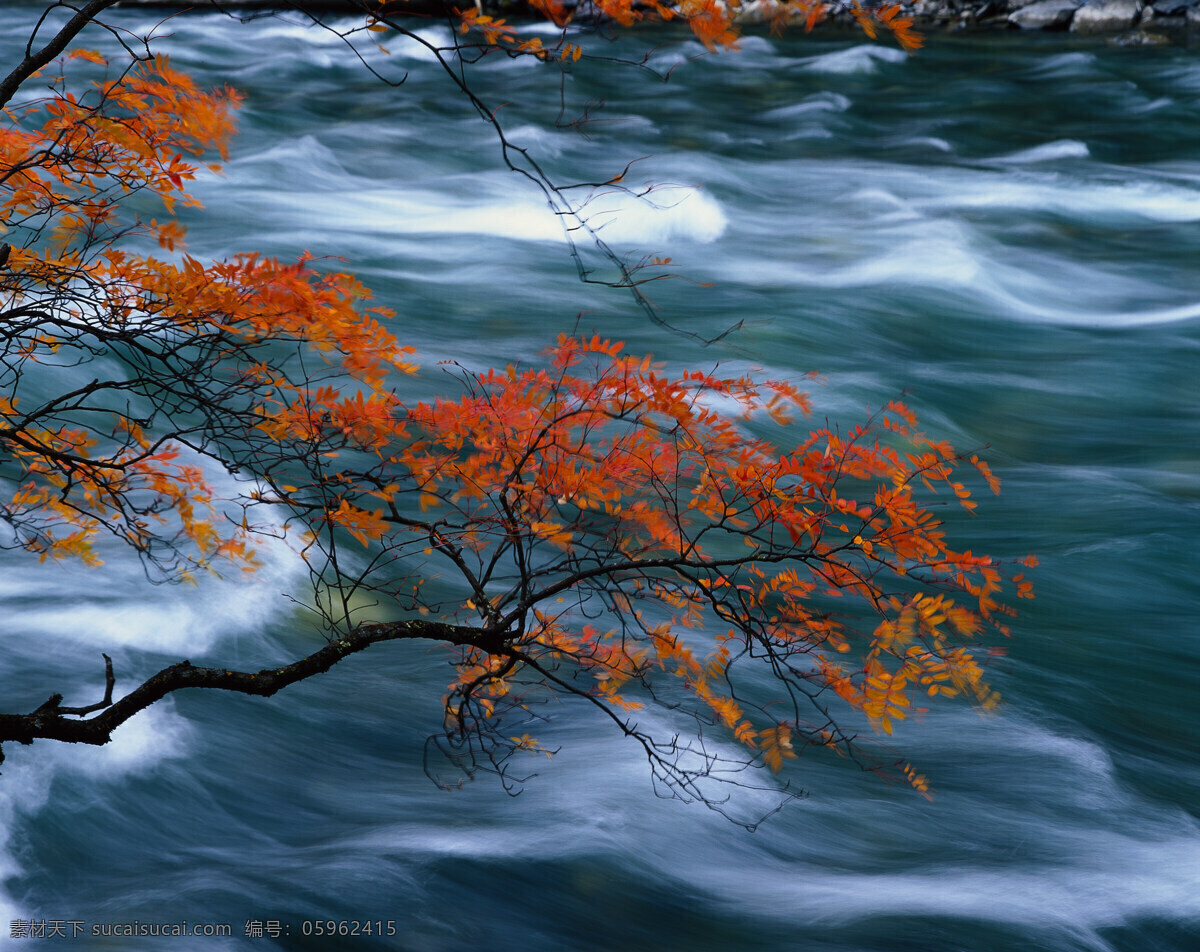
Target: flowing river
{"type": "Point", "coordinates": [1007, 228]}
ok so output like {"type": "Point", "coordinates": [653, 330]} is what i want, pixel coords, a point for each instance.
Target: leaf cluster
{"type": "Point", "coordinates": [608, 525]}
{"type": "Point", "coordinates": [595, 528]}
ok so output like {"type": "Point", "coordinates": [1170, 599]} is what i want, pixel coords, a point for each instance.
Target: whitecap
{"type": "Point", "coordinates": [116, 606]}
{"type": "Point", "coordinates": [303, 32]}
{"type": "Point", "coordinates": [821, 102]}
{"type": "Point", "coordinates": [1048, 152]}
{"type": "Point", "coordinates": [24, 789]}
{"type": "Point", "coordinates": [548, 28]}
{"type": "Point", "coordinates": [749, 44]}
{"type": "Point", "coordinates": [1080, 200]}
{"type": "Point", "coordinates": [668, 214]}
{"type": "Point", "coordinates": [856, 59]}
{"type": "Point", "coordinates": [156, 734]}
{"type": "Point", "coordinates": [932, 142]}
{"type": "Point", "coordinates": [423, 45]}
{"type": "Point", "coordinates": [1062, 66]}
{"type": "Point", "coordinates": [1162, 102]}
{"type": "Point", "coordinates": [932, 252]}
{"type": "Point", "coordinates": [807, 132]}
{"type": "Point", "coordinates": [537, 138]}
{"type": "Point", "coordinates": [881, 205]}
{"type": "Point", "coordinates": [306, 159]}
{"type": "Point", "coordinates": [1122, 879]}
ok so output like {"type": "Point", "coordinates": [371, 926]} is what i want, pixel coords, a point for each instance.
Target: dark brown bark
{"type": "Point", "coordinates": [36, 59]}
{"type": "Point", "coordinates": [52, 721]}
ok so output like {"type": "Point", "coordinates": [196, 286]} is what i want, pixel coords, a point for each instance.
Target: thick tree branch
{"type": "Point", "coordinates": [51, 721]}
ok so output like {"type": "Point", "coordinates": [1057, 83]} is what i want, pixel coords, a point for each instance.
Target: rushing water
{"type": "Point", "coordinates": [1009, 228]}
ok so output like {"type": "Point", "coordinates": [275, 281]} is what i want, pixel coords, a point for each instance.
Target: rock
{"type": "Point", "coordinates": [1106, 16]}
{"type": "Point", "coordinates": [752, 14]}
{"type": "Point", "coordinates": [933, 9]}
{"type": "Point", "coordinates": [1045, 15]}
{"type": "Point", "coordinates": [1165, 23]}
{"type": "Point", "coordinates": [1163, 17]}
{"type": "Point", "coordinates": [1141, 38]}
{"type": "Point", "coordinates": [1173, 8]}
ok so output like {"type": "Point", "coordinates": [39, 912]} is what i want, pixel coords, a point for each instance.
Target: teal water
{"type": "Point", "coordinates": [1007, 228]}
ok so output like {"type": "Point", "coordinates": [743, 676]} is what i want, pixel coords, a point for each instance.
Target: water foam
{"type": "Point", "coordinates": [116, 608]}
{"type": "Point", "coordinates": [856, 59]}
{"type": "Point", "coordinates": [1071, 850]}
{"type": "Point", "coordinates": [667, 215]}
{"type": "Point", "coordinates": [1124, 879]}
{"type": "Point", "coordinates": [818, 103]}
{"type": "Point", "coordinates": [1048, 152]}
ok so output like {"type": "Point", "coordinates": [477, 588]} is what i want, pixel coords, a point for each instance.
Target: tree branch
{"type": "Point", "coordinates": [50, 720]}
{"type": "Point", "coordinates": [35, 61]}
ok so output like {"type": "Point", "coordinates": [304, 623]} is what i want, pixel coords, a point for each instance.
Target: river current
{"type": "Point", "coordinates": [1006, 228]}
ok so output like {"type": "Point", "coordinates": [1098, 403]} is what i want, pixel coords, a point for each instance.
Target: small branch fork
{"type": "Point", "coordinates": [52, 721]}
{"type": "Point", "coordinates": [54, 704]}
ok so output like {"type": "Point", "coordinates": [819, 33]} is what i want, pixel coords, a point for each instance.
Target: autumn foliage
{"type": "Point", "coordinates": [597, 527]}
{"type": "Point", "coordinates": [715, 23]}
{"type": "Point", "coordinates": [610, 525]}
{"type": "Point", "coordinates": [110, 454]}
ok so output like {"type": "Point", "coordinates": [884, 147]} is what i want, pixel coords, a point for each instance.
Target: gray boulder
{"type": "Point", "coordinates": [1107, 16]}
{"type": "Point", "coordinates": [1172, 8]}
{"type": "Point", "coordinates": [1045, 15]}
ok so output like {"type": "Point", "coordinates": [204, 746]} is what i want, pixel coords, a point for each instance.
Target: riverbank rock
{"type": "Point", "coordinates": [1045, 15]}
{"type": "Point", "coordinates": [1173, 19]}
{"type": "Point", "coordinates": [1107, 16]}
